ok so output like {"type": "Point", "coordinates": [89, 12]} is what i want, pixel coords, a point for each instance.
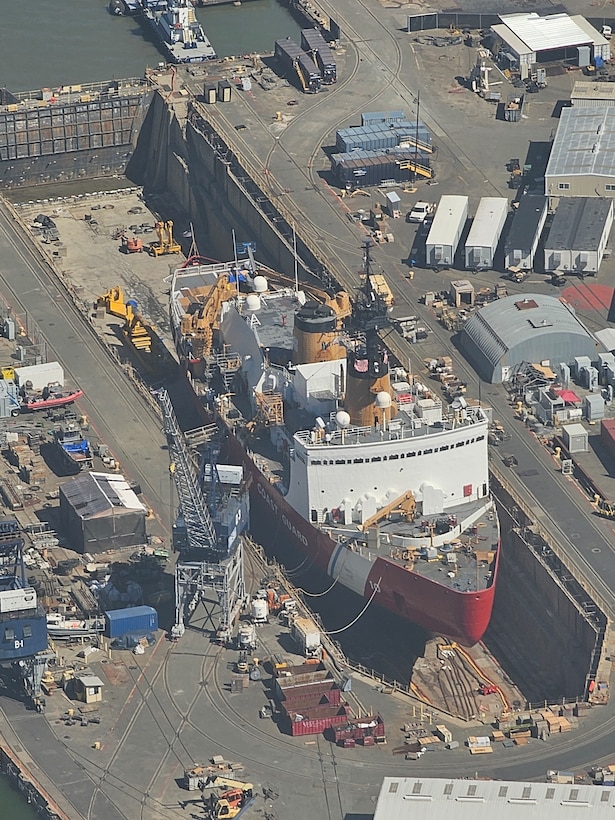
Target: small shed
{"type": "Point", "coordinates": [593, 407]}
{"type": "Point", "coordinates": [393, 204]}
{"type": "Point", "coordinates": [88, 689]}
{"type": "Point", "coordinates": [462, 291]}
{"type": "Point", "coordinates": [576, 438]}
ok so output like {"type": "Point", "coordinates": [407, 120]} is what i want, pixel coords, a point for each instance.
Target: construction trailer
{"type": "Point", "coordinates": [525, 231]}
{"type": "Point", "coordinates": [315, 44]}
{"type": "Point", "coordinates": [298, 65]}
{"type": "Point", "coordinates": [377, 136]}
{"type": "Point", "coordinates": [579, 235]}
{"type": "Point", "coordinates": [366, 168]}
{"type": "Point", "coordinates": [445, 232]}
{"type": "Point", "coordinates": [485, 233]}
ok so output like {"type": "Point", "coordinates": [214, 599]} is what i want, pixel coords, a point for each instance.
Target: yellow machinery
{"type": "Point", "coordinates": [604, 507]}
{"type": "Point", "coordinates": [7, 373]}
{"type": "Point", "coordinates": [166, 243]}
{"type": "Point", "coordinates": [138, 333]}
{"type": "Point", "coordinates": [201, 324]}
{"type": "Point", "coordinates": [404, 505]}
{"type": "Point", "coordinates": [221, 782]}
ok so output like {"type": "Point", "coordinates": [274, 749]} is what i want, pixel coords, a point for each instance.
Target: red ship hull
{"type": "Point", "coordinates": [460, 616]}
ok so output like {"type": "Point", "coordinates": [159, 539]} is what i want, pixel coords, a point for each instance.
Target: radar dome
{"type": "Point", "coordinates": [342, 419]}
{"type": "Point", "coordinates": [253, 301]}
{"type": "Point", "coordinates": [383, 399]}
{"type": "Point", "coordinates": [261, 285]}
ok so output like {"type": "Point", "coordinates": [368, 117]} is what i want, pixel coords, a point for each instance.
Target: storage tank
{"type": "Point", "coordinates": [316, 334]}
{"type": "Point", "coordinates": [259, 610]}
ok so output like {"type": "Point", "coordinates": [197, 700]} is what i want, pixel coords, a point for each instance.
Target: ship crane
{"type": "Point", "coordinates": [209, 569]}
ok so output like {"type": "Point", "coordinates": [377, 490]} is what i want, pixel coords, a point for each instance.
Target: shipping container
{"type": "Point", "coordinates": [382, 116]}
{"type": "Point", "coordinates": [303, 673]}
{"type": "Point", "coordinates": [379, 136]}
{"type": "Point", "coordinates": [315, 44]}
{"type": "Point", "coordinates": [524, 234]}
{"type": "Point", "coordinates": [366, 168]}
{"type": "Point", "coordinates": [310, 693]}
{"type": "Point", "coordinates": [513, 109]}
{"type": "Point", "coordinates": [297, 65]}
{"type": "Point", "coordinates": [607, 436]}
{"type": "Point", "coordinates": [445, 232]}
{"type": "Point", "coordinates": [40, 375]}
{"type": "Point", "coordinates": [132, 619]}
{"type": "Point", "coordinates": [315, 724]}
{"type": "Point", "coordinates": [485, 233]}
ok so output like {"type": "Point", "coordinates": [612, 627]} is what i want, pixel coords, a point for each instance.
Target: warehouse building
{"type": "Point", "coordinates": [579, 235]}
{"type": "Point", "coordinates": [525, 230]}
{"type": "Point", "coordinates": [100, 511]}
{"type": "Point", "coordinates": [537, 329]}
{"type": "Point", "coordinates": [431, 798]}
{"type": "Point", "coordinates": [592, 95]}
{"type": "Point", "coordinates": [523, 40]}
{"type": "Point", "coordinates": [582, 160]}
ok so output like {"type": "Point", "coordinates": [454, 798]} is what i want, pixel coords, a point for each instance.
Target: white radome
{"type": "Point", "coordinates": [383, 399]}
{"type": "Point", "coordinates": [261, 285]}
{"type": "Point", "coordinates": [342, 419]}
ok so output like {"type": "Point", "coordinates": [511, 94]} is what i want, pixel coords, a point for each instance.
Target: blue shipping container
{"type": "Point", "coordinates": [132, 619]}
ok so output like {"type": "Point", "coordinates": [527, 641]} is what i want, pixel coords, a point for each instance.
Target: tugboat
{"type": "Point", "coordinates": [180, 33]}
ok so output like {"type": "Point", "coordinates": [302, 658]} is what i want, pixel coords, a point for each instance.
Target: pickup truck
{"type": "Point", "coordinates": [420, 212]}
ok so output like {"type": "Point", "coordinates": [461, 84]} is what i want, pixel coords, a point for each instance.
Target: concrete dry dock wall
{"type": "Point", "coordinates": [545, 629]}
{"type": "Point", "coordinates": [20, 777]}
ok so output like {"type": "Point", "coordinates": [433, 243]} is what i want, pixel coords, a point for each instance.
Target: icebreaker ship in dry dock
{"type": "Point", "coordinates": [358, 465]}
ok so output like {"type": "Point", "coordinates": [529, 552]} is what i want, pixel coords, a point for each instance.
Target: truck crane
{"type": "Point", "coordinates": [208, 569]}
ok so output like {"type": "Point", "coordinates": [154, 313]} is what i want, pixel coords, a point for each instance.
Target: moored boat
{"type": "Point", "coordinates": [355, 463]}
{"type": "Point", "coordinates": [49, 398]}
{"type": "Point", "coordinates": [175, 24]}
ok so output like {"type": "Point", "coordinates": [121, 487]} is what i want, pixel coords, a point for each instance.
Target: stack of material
{"type": "Point", "coordinates": [309, 699]}
{"type": "Point", "coordinates": [360, 729]}
{"type": "Point", "coordinates": [479, 745]}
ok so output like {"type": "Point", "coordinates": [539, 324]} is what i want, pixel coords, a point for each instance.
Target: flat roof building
{"type": "Point", "coordinates": [430, 798]}
{"type": "Point", "coordinates": [592, 95]}
{"type": "Point", "coordinates": [534, 328]}
{"type": "Point", "coordinates": [524, 234]}
{"type": "Point", "coordinates": [528, 38]}
{"type": "Point", "coordinates": [582, 160]}
{"type": "Point", "coordinates": [579, 235]}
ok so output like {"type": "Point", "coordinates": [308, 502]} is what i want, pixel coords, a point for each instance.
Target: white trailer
{"type": "Point", "coordinates": [485, 232]}
{"type": "Point", "coordinates": [307, 637]}
{"type": "Point", "coordinates": [579, 235]}
{"type": "Point", "coordinates": [524, 234]}
{"type": "Point", "coordinates": [40, 375]}
{"type": "Point", "coordinates": [445, 231]}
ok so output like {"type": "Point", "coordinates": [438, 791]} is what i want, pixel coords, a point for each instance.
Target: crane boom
{"type": "Point", "coordinates": [197, 519]}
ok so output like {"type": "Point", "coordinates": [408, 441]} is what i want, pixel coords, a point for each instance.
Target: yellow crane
{"type": "Point", "coordinates": [404, 505]}
{"type": "Point", "coordinates": [136, 330]}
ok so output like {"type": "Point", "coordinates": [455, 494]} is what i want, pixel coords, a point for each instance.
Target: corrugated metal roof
{"type": "Point", "coordinates": [511, 39]}
{"type": "Point", "coordinates": [582, 90]}
{"type": "Point", "coordinates": [487, 221]}
{"type": "Point", "coordinates": [438, 799]}
{"type": "Point", "coordinates": [91, 494]}
{"type": "Point", "coordinates": [546, 33]}
{"type": "Point", "coordinates": [579, 224]}
{"type": "Point", "coordinates": [502, 325]}
{"type": "Point", "coordinates": [584, 144]}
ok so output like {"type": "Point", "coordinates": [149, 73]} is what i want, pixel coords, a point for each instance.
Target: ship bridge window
{"type": "Point", "coordinates": [460, 444]}
{"type": "Point", "coordinates": [27, 631]}
{"type": "Point", "coordinates": [427, 452]}
{"type": "Point", "coordinates": [376, 458]}
{"type": "Point", "coordinates": [358, 461]}
{"type": "Point", "coordinates": [316, 462]}
{"type": "Point", "coordinates": [393, 458]}
{"type": "Point", "coordinates": [480, 438]}
{"type": "Point", "coordinates": [340, 461]}
{"type": "Point", "coordinates": [9, 634]}
{"type": "Point", "coordinates": [444, 447]}
{"type": "Point", "coordinates": [410, 455]}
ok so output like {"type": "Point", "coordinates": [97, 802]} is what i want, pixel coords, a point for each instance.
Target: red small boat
{"type": "Point", "coordinates": [50, 398]}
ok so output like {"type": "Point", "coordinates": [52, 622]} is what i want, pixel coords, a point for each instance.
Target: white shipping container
{"type": "Point", "coordinates": [446, 230]}
{"type": "Point", "coordinates": [485, 232]}
{"type": "Point", "coordinates": [12, 600]}
{"type": "Point", "coordinates": [307, 636]}
{"type": "Point", "coordinates": [40, 375]}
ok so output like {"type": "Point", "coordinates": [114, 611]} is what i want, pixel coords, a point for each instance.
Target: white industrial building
{"type": "Point", "coordinates": [525, 39]}
{"type": "Point", "coordinates": [582, 159]}
{"type": "Point", "coordinates": [445, 232]}
{"type": "Point", "coordinates": [430, 798]}
{"type": "Point", "coordinates": [592, 95]}
{"type": "Point", "coordinates": [525, 230]}
{"type": "Point", "coordinates": [485, 232]}
{"type": "Point", "coordinates": [579, 235]}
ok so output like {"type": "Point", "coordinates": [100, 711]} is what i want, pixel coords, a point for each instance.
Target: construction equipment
{"type": "Point", "coordinates": [219, 782]}
{"type": "Point", "coordinates": [166, 243]}
{"type": "Point", "coordinates": [202, 323]}
{"type": "Point", "coordinates": [603, 507]}
{"type": "Point", "coordinates": [136, 330]}
{"type": "Point", "coordinates": [487, 689]}
{"type": "Point", "coordinates": [132, 244]}
{"type": "Point", "coordinates": [404, 505]}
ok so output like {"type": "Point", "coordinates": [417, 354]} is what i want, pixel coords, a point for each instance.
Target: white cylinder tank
{"type": "Point", "coordinates": [253, 302]}
{"type": "Point", "coordinates": [261, 285]}
{"type": "Point", "coordinates": [260, 610]}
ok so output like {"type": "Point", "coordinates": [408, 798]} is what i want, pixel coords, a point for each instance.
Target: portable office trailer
{"type": "Point", "coordinates": [446, 230]}
{"type": "Point", "coordinates": [579, 235]}
{"type": "Point", "coordinates": [485, 232]}
{"type": "Point", "coordinates": [298, 65]}
{"type": "Point", "coordinates": [378, 136]}
{"type": "Point", "coordinates": [315, 44]}
{"type": "Point", "coordinates": [524, 234]}
{"type": "Point", "coordinates": [382, 116]}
